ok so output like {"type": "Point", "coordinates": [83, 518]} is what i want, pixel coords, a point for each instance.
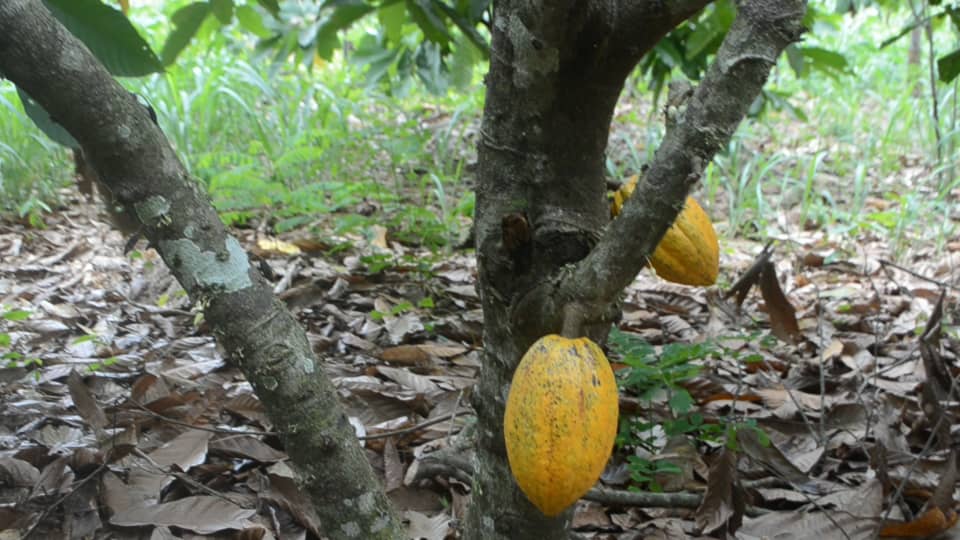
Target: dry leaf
{"type": "Point", "coordinates": [927, 525]}
{"type": "Point", "coordinates": [202, 514]}
{"type": "Point", "coordinates": [783, 318]}
{"type": "Point", "coordinates": [718, 509]}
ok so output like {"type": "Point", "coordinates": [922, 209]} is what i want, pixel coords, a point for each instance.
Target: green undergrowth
{"type": "Point", "coordinates": [856, 157]}
{"type": "Point", "coordinates": [298, 146]}
{"type": "Point", "coordinates": [32, 167]}
{"type": "Point", "coordinates": [669, 415]}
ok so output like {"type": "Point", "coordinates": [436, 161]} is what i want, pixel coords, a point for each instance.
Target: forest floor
{"type": "Point", "coordinates": [119, 418]}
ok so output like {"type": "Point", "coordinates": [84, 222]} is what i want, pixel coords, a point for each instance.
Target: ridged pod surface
{"type": "Point", "coordinates": [560, 421]}
{"type": "Point", "coordinates": [689, 252]}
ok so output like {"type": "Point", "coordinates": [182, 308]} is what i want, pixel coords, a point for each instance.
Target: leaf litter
{"type": "Point", "coordinates": [119, 418]}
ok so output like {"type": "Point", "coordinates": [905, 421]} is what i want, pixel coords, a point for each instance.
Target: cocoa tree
{"type": "Point", "coordinates": [544, 247]}
{"type": "Point", "coordinates": [548, 257]}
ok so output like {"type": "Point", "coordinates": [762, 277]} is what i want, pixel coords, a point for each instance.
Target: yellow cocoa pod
{"type": "Point", "coordinates": [689, 252]}
{"type": "Point", "coordinates": [560, 421]}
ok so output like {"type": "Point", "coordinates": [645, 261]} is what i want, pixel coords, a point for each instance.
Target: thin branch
{"type": "Point", "coordinates": [185, 478]}
{"type": "Point", "coordinates": [415, 428]}
{"type": "Point", "coordinates": [60, 500]}
{"type": "Point", "coordinates": [169, 420]}
{"type": "Point", "coordinates": [941, 284]}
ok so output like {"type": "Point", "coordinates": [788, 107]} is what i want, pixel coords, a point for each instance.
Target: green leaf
{"type": "Point", "coordinates": [16, 315]}
{"type": "Point", "coordinates": [270, 5]}
{"type": "Point", "coordinates": [467, 26]}
{"type": "Point", "coordinates": [108, 34]}
{"type": "Point", "coordinates": [795, 58]}
{"type": "Point", "coordinates": [430, 22]}
{"type": "Point", "coordinates": [252, 22]}
{"type": "Point", "coordinates": [465, 57]}
{"type": "Point", "coordinates": [476, 8]}
{"type": "Point", "coordinates": [430, 68]}
{"type": "Point", "coordinates": [391, 18]}
{"type": "Point", "coordinates": [825, 57]}
{"type": "Point", "coordinates": [681, 401]}
{"type": "Point", "coordinates": [949, 66]}
{"type": "Point", "coordinates": [829, 62]}
{"type": "Point", "coordinates": [46, 124]}
{"type": "Point", "coordinates": [222, 10]}
{"type": "Point", "coordinates": [186, 21]}
{"type": "Point", "coordinates": [707, 34]}
{"type": "Point", "coordinates": [343, 14]}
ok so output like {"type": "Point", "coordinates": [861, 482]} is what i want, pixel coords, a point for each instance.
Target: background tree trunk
{"type": "Point", "coordinates": [136, 162]}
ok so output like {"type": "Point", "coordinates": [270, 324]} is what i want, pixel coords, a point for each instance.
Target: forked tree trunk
{"type": "Point", "coordinates": [556, 71]}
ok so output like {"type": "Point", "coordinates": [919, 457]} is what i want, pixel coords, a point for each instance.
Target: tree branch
{"type": "Point", "coordinates": [139, 166]}
{"type": "Point", "coordinates": [697, 129]}
{"type": "Point", "coordinates": [638, 26]}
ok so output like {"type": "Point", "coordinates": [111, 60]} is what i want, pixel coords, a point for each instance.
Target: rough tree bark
{"type": "Point", "coordinates": [141, 169]}
{"type": "Point", "coordinates": [556, 71]}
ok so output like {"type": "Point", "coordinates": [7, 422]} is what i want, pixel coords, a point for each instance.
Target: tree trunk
{"type": "Point", "coordinates": [556, 71]}
{"type": "Point", "coordinates": [138, 165]}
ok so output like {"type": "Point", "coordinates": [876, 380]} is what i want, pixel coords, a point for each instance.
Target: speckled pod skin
{"type": "Point", "coordinates": [560, 420]}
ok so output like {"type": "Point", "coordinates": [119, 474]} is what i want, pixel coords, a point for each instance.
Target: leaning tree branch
{"type": "Point", "coordinates": [697, 129]}
{"type": "Point", "coordinates": [138, 165]}
{"type": "Point", "coordinates": [636, 27]}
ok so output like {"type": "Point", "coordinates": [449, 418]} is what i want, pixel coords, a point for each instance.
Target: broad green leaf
{"type": "Point", "coordinates": [707, 35]}
{"type": "Point", "coordinates": [430, 68]}
{"type": "Point", "coordinates": [476, 9]}
{"type": "Point", "coordinates": [252, 22]}
{"type": "Point", "coordinates": [430, 22]}
{"type": "Point", "coordinates": [391, 18]}
{"type": "Point", "coordinates": [270, 5]}
{"type": "Point", "coordinates": [108, 34]}
{"type": "Point", "coordinates": [830, 62]}
{"type": "Point", "coordinates": [186, 21]}
{"type": "Point", "coordinates": [16, 315]}
{"type": "Point", "coordinates": [469, 28]}
{"type": "Point", "coordinates": [222, 10]}
{"type": "Point", "coordinates": [949, 66]}
{"type": "Point", "coordinates": [704, 38]}
{"type": "Point", "coordinates": [46, 124]}
{"type": "Point", "coordinates": [377, 58]}
{"type": "Point", "coordinates": [461, 63]}
{"type": "Point", "coordinates": [795, 58]}
{"type": "Point", "coordinates": [343, 14]}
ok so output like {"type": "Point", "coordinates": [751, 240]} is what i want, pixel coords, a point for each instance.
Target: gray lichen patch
{"type": "Point", "coordinates": [152, 209]}
{"type": "Point", "coordinates": [366, 502]}
{"type": "Point", "coordinates": [209, 271]}
{"type": "Point", "coordinates": [351, 529]}
{"type": "Point", "coordinates": [307, 364]}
